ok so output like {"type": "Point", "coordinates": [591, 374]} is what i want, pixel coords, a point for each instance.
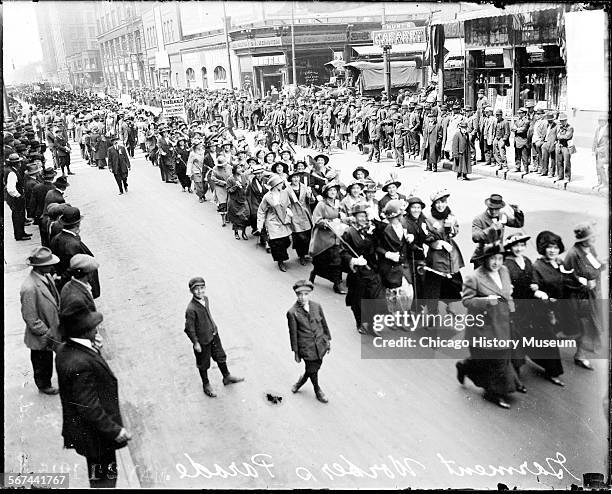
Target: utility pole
{"type": "Point", "coordinates": [386, 57]}
{"type": "Point", "coordinates": [229, 60]}
{"type": "Point", "coordinates": [293, 43]}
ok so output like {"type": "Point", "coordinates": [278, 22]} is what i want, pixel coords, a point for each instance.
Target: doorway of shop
{"type": "Point", "coordinates": [272, 81]}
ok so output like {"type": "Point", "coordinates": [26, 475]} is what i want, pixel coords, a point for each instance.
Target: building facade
{"type": "Point", "coordinates": [120, 37]}
{"type": "Point", "coordinates": [71, 30]}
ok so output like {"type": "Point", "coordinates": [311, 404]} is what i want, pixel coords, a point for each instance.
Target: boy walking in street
{"type": "Point", "coordinates": [204, 335]}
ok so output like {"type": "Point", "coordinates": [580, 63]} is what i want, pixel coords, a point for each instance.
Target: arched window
{"type": "Point", "coordinates": [190, 76]}
{"type": "Point", "coordinates": [204, 78]}
{"type": "Point", "coordinates": [219, 74]}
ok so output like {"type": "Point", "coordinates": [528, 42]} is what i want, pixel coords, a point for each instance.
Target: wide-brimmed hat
{"type": "Point", "coordinates": [439, 194]}
{"type": "Point", "coordinates": [268, 153]}
{"type": "Point", "coordinates": [583, 232]}
{"type": "Point", "coordinates": [14, 158]}
{"type": "Point", "coordinates": [360, 207]}
{"type": "Point", "coordinates": [303, 286]}
{"type": "Point", "coordinates": [415, 200]}
{"type": "Point", "coordinates": [324, 156]}
{"type": "Point", "coordinates": [390, 182]}
{"type": "Point", "coordinates": [514, 239]}
{"type": "Point", "coordinates": [49, 172]}
{"type": "Point", "coordinates": [545, 238]}
{"type": "Point", "coordinates": [71, 216]}
{"type": "Point", "coordinates": [81, 323]}
{"type": "Point", "coordinates": [393, 208]}
{"type": "Point", "coordinates": [274, 180]}
{"type": "Point", "coordinates": [33, 168]}
{"type": "Point", "coordinates": [286, 151]}
{"type": "Point", "coordinates": [330, 185]}
{"type": "Point", "coordinates": [294, 173]}
{"type": "Point", "coordinates": [490, 250]}
{"type": "Point", "coordinates": [495, 201]}
{"type": "Point", "coordinates": [253, 160]}
{"type": "Point", "coordinates": [364, 170]}
{"type": "Point", "coordinates": [42, 256]}
{"type": "Point", "coordinates": [281, 163]}
{"type": "Point", "coordinates": [353, 183]}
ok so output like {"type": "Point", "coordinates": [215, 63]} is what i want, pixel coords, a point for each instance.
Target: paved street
{"type": "Point", "coordinates": [389, 423]}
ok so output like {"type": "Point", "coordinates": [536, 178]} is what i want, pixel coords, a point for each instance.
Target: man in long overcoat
{"type": "Point", "coordinates": [119, 164]}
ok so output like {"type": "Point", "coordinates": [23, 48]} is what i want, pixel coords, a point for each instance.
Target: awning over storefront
{"type": "Point", "coordinates": [455, 47]}
{"type": "Point", "coordinates": [336, 64]}
{"type": "Point", "coordinates": [395, 49]}
{"type": "Point", "coordinates": [372, 74]}
{"type": "Point", "coordinates": [484, 11]}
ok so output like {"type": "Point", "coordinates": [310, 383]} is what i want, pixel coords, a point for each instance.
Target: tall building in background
{"type": "Point", "coordinates": [69, 31]}
{"type": "Point", "coordinates": [49, 64]}
{"type": "Point", "coordinates": [120, 37]}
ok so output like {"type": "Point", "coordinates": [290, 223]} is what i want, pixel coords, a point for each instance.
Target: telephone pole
{"type": "Point", "coordinates": [229, 60]}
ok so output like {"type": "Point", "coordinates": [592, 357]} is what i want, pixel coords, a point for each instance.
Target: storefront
{"type": "Point", "coordinates": [516, 59]}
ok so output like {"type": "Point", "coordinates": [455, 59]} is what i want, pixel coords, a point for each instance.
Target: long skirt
{"type": "Point", "coordinates": [238, 213]}
{"type": "Point", "coordinates": [439, 289]}
{"type": "Point", "coordinates": [301, 241]}
{"type": "Point", "coordinates": [328, 264]}
{"type": "Point", "coordinates": [365, 295]}
{"type": "Point", "coordinates": [278, 248]}
{"type": "Point", "coordinates": [543, 327]}
{"type": "Point", "coordinates": [181, 173]}
{"type": "Point", "coordinates": [492, 370]}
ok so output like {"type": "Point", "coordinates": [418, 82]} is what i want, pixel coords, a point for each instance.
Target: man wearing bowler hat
{"type": "Point", "coordinates": [309, 335]}
{"type": "Point", "coordinates": [92, 423]}
{"type": "Point", "coordinates": [119, 164]}
{"type": "Point", "coordinates": [67, 243]}
{"type": "Point", "coordinates": [40, 302]}
{"type": "Point", "coordinates": [14, 196]}
{"type": "Point", "coordinates": [488, 227]}
{"type": "Point", "coordinates": [501, 140]}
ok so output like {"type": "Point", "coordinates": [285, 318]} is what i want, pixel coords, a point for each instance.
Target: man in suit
{"type": "Point", "coordinates": [39, 192]}
{"type": "Point", "coordinates": [76, 295]}
{"type": "Point", "coordinates": [40, 302]}
{"type": "Point", "coordinates": [92, 423]}
{"type": "Point", "coordinates": [62, 152]}
{"type": "Point", "coordinates": [309, 335]}
{"type": "Point", "coordinates": [540, 126]}
{"type": "Point", "coordinates": [119, 164]}
{"type": "Point", "coordinates": [489, 227]}
{"type": "Point", "coordinates": [521, 148]}
{"type": "Point", "coordinates": [204, 335]}
{"type": "Point", "coordinates": [374, 131]}
{"type": "Point", "coordinates": [31, 180]}
{"type": "Point", "coordinates": [432, 142]}
{"type": "Point", "coordinates": [166, 156]}
{"type": "Point", "coordinates": [565, 134]}
{"type": "Point", "coordinates": [501, 140]}
{"type": "Point", "coordinates": [67, 243]}
{"type": "Point", "coordinates": [549, 146]}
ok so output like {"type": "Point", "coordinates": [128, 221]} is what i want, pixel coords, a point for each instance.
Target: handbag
{"type": "Point", "coordinates": [570, 146]}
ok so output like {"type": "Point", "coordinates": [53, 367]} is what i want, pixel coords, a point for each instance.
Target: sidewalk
{"type": "Point", "coordinates": [32, 420]}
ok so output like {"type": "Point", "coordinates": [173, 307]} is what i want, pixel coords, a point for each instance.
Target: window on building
{"type": "Point", "coordinates": [190, 76]}
{"type": "Point", "coordinates": [219, 74]}
{"type": "Point", "coordinates": [171, 30]}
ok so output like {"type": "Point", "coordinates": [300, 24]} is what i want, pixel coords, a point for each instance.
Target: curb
{"type": "Point", "coordinates": [531, 178]}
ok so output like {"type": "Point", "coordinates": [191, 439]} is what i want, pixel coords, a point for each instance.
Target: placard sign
{"type": "Point", "coordinates": [390, 37]}
{"type": "Point", "coordinates": [174, 107]}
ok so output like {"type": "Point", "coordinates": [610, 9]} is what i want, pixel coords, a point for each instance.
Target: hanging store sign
{"type": "Point", "coordinates": [268, 60]}
{"type": "Point", "coordinates": [410, 36]}
{"type": "Point", "coordinates": [398, 26]}
{"type": "Point", "coordinates": [319, 38]}
{"type": "Point", "coordinates": [255, 43]}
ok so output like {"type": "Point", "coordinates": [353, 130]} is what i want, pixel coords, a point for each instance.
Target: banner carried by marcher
{"type": "Point", "coordinates": [174, 107]}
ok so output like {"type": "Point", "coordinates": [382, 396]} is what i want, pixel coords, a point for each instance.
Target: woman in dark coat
{"type": "Point", "coordinates": [487, 293]}
{"type": "Point", "coordinates": [362, 281]}
{"type": "Point", "coordinates": [521, 276]}
{"type": "Point", "coordinates": [301, 221]}
{"type": "Point", "coordinates": [238, 213]}
{"type": "Point", "coordinates": [254, 194]}
{"type": "Point", "coordinates": [551, 314]}
{"type": "Point", "coordinates": [587, 298]}
{"type": "Point", "coordinates": [182, 156]}
{"type": "Point", "coordinates": [415, 223]}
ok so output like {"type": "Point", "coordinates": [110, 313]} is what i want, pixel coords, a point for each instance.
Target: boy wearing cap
{"type": "Point", "coordinates": [309, 335]}
{"type": "Point", "coordinates": [204, 335]}
{"type": "Point", "coordinates": [40, 311]}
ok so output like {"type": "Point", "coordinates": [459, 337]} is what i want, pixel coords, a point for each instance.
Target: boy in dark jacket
{"type": "Point", "coordinates": [204, 334]}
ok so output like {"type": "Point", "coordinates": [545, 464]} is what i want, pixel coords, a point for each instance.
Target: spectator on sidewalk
{"type": "Point", "coordinates": [76, 296]}
{"type": "Point", "coordinates": [521, 147]}
{"type": "Point", "coordinates": [565, 148]}
{"type": "Point", "coordinates": [40, 302]}
{"type": "Point", "coordinates": [487, 130]}
{"type": "Point", "coordinates": [14, 196]}
{"type": "Point", "coordinates": [601, 150]}
{"type": "Point", "coordinates": [501, 140]}
{"type": "Point", "coordinates": [540, 126]}
{"type": "Point", "coordinates": [92, 423]}
{"type": "Point", "coordinates": [548, 148]}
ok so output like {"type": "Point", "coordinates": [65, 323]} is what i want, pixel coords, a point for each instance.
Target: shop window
{"type": "Point", "coordinates": [204, 78]}
{"type": "Point", "coordinates": [190, 76]}
{"type": "Point", "coordinates": [220, 74]}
